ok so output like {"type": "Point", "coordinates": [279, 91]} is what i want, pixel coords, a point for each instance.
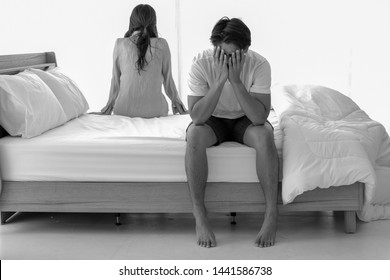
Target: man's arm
{"type": "Point", "coordinates": [201, 107]}
{"type": "Point", "coordinates": [256, 106]}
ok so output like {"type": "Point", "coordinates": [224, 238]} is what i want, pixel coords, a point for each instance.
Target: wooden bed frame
{"type": "Point", "coordinates": [146, 197]}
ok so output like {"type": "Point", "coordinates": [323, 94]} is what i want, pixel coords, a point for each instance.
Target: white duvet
{"type": "Point", "coordinates": [330, 141]}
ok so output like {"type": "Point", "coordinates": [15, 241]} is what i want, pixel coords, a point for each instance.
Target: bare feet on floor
{"type": "Point", "coordinates": [204, 234]}
{"type": "Point", "coordinates": [266, 236]}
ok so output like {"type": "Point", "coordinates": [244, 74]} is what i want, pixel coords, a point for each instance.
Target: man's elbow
{"type": "Point", "coordinates": [195, 119]}
{"type": "Point", "coordinates": [258, 121]}
{"type": "Point", "coordinates": [198, 122]}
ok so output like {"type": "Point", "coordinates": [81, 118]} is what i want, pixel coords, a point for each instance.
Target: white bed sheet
{"type": "Point", "coordinates": [116, 148]}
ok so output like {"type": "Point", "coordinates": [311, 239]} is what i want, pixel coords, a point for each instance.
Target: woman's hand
{"type": "Point", "coordinates": [236, 61]}
{"type": "Point", "coordinates": [107, 110]}
{"type": "Point", "coordinates": [178, 107]}
{"type": "Point", "coordinates": [220, 64]}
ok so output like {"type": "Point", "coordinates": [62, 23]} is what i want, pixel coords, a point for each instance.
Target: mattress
{"type": "Point", "coordinates": [121, 149]}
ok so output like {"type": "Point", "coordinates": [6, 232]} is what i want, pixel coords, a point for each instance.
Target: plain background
{"type": "Point", "coordinates": [342, 44]}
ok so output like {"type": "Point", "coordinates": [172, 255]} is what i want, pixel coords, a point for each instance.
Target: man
{"type": "Point", "coordinates": [230, 100]}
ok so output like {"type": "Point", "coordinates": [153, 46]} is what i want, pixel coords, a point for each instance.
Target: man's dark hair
{"type": "Point", "coordinates": [231, 31]}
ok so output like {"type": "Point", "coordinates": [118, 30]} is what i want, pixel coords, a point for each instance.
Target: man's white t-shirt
{"type": "Point", "coordinates": [255, 75]}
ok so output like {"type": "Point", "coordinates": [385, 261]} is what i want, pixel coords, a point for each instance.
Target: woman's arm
{"type": "Point", "coordinates": [115, 83]}
{"type": "Point", "coordinates": [169, 83]}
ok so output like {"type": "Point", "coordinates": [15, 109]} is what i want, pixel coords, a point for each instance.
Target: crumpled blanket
{"type": "Point", "coordinates": [329, 141]}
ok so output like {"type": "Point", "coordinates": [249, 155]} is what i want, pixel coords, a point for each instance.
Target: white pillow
{"type": "Point", "coordinates": [68, 94]}
{"type": "Point", "coordinates": [27, 105]}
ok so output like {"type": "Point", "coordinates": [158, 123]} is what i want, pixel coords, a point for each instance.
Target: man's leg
{"type": "Point", "coordinates": [199, 138]}
{"type": "Point", "coordinates": [261, 138]}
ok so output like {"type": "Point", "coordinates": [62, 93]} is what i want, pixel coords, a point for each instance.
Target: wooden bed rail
{"type": "Point", "coordinates": [168, 197]}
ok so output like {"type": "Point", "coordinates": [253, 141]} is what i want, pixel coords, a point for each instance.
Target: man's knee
{"type": "Point", "coordinates": [259, 136]}
{"type": "Point", "coordinates": [199, 135]}
{"type": "Point", "coordinates": [195, 133]}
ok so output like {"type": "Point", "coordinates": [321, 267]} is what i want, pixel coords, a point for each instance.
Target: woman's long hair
{"type": "Point", "coordinates": [143, 19]}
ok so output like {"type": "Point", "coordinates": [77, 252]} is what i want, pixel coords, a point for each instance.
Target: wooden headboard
{"type": "Point", "coordinates": [15, 63]}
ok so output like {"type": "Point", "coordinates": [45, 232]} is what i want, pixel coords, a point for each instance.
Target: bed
{"type": "Point", "coordinates": [159, 188]}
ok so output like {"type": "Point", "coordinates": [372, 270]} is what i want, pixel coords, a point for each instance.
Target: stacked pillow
{"type": "Point", "coordinates": [66, 91]}
{"type": "Point", "coordinates": [34, 101]}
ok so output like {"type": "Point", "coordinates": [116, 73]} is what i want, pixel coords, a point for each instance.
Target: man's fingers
{"type": "Point", "coordinates": [234, 59]}
{"type": "Point", "coordinates": [238, 55]}
{"type": "Point", "coordinates": [222, 55]}
{"type": "Point", "coordinates": [242, 57]}
{"type": "Point", "coordinates": [217, 52]}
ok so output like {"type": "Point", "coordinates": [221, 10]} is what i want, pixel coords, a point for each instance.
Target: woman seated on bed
{"type": "Point", "coordinates": [142, 64]}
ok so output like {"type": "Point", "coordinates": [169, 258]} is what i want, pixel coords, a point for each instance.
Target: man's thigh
{"type": "Point", "coordinates": [217, 126]}
{"type": "Point", "coordinates": [239, 128]}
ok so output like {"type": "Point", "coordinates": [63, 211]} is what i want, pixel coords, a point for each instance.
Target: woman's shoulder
{"type": "Point", "coordinates": [123, 45]}
{"type": "Point", "coordinates": [161, 42]}
{"type": "Point", "coordinates": [121, 41]}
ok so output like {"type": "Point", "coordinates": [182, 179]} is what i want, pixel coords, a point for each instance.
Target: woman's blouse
{"type": "Point", "coordinates": [139, 93]}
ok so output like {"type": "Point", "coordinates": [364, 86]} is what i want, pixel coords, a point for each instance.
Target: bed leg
{"type": "Point", "coordinates": [117, 219]}
{"type": "Point", "coordinates": [233, 218]}
{"type": "Point", "coordinates": [350, 221]}
{"type": "Point", "coordinates": [5, 216]}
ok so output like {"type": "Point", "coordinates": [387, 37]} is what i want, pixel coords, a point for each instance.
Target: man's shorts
{"type": "Point", "coordinates": [229, 129]}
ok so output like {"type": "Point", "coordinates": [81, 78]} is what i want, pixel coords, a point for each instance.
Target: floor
{"type": "Point", "coordinates": [79, 236]}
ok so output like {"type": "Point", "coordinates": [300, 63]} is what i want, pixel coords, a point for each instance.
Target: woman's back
{"type": "Point", "coordinates": [140, 91]}
{"type": "Point", "coordinates": [142, 64]}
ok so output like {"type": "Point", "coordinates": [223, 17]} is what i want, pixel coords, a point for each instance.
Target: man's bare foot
{"type": "Point", "coordinates": [266, 236]}
{"type": "Point", "coordinates": [204, 234]}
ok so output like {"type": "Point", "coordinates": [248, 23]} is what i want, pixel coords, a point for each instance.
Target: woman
{"type": "Point", "coordinates": [142, 64]}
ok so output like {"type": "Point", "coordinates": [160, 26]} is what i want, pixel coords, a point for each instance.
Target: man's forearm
{"type": "Point", "coordinates": [253, 108]}
{"type": "Point", "coordinates": [202, 110]}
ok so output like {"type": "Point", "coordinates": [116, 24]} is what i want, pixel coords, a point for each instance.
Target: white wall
{"type": "Point", "coordinates": [343, 44]}
{"type": "Point", "coordinates": [371, 59]}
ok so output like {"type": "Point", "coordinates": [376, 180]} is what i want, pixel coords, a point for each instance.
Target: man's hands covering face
{"type": "Point", "coordinates": [220, 64]}
{"type": "Point", "coordinates": [235, 62]}
{"type": "Point", "coordinates": [228, 66]}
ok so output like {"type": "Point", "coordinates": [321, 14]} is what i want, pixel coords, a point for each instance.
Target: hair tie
{"type": "Point", "coordinates": [145, 31]}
